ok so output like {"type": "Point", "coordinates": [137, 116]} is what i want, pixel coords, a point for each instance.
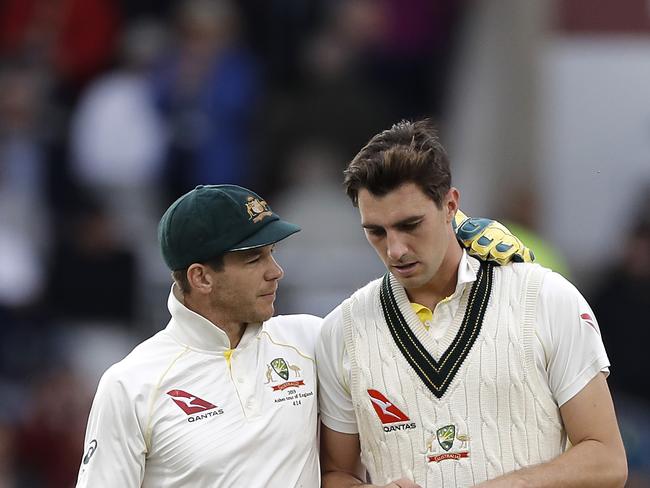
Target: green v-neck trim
{"type": "Point", "coordinates": [438, 375]}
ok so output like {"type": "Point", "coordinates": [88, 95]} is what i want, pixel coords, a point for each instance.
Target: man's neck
{"type": "Point", "coordinates": [234, 330]}
{"type": "Point", "coordinates": [443, 283]}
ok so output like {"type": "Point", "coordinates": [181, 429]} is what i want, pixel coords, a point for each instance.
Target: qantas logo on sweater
{"type": "Point", "coordinates": [388, 413]}
{"type": "Point", "coordinates": [191, 404]}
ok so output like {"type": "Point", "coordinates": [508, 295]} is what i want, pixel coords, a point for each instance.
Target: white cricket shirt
{"type": "Point", "coordinates": [182, 409]}
{"type": "Point", "coordinates": [568, 347]}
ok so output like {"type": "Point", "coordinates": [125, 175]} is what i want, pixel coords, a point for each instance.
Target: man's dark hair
{"type": "Point", "coordinates": [180, 275]}
{"type": "Point", "coordinates": [408, 152]}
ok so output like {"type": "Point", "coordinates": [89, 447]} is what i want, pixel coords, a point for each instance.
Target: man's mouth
{"type": "Point", "coordinates": [269, 293]}
{"type": "Point", "coordinates": [404, 269]}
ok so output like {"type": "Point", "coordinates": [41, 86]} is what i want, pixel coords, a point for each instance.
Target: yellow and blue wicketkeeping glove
{"type": "Point", "coordinates": [489, 240]}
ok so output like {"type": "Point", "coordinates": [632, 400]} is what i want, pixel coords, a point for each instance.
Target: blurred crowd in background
{"type": "Point", "coordinates": [110, 110]}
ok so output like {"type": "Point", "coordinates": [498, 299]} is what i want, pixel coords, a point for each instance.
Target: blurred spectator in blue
{"type": "Point", "coordinates": [208, 88]}
{"type": "Point", "coordinates": [622, 306]}
{"type": "Point", "coordinates": [72, 38]}
{"type": "Point", "coordinates": [25, 239]}
{"type": "Point", "coordinates": [24, 167]}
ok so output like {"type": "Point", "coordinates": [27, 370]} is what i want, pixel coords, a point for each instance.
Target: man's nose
{"type": "Point", "coordinates": [275, 271]}
{"type": "Point", "coordinates": [396, 248]}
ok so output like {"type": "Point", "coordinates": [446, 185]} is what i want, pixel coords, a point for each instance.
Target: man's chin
{"type": "Point", "coordinates": [410, 282]}
{"type": "Point", "coordinates": [266, 314]}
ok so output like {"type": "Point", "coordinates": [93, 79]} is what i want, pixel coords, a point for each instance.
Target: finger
{"type": "Point", "coordinates": [524, 255]}
{"type": "Point", "coordinates": [504, 251]}
{"type": "Point", "coordinates": [484, 245]}
{"type": "Point", "coordinates": [471, 228]}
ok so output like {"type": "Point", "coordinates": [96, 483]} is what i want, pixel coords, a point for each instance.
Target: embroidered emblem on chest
{"type": "Point", "coordinates": [437, 375]}
{"type": "Point", "coordinates": [281, 368]}
{"type": "Point", "coordinates": [290, 390]}
{"type": "Point", "coordinates": [453, 445]}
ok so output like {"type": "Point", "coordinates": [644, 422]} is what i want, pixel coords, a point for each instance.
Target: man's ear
{"type": "Point", "coordinates": [200, 278]}
{"type": "Point", "coordinates": [450, 203]}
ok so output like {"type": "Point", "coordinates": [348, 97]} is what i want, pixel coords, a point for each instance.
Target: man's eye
{"type": "Point", "coordinates": [375, 232]}
{"type": "Point", "coordinates": [409, 226]}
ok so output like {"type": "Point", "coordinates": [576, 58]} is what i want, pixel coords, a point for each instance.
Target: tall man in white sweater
{"type": "Point", "coordinates": [449, 371]}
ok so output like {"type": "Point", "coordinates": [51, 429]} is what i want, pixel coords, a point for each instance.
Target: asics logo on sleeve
{"type": "Point", "coordinates": [92, 447]}
{"type": "Point", "coordinates": [190, 404]}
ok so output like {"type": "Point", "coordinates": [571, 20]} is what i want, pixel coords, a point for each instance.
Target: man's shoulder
{"type": "Point", "coordinates": [143, 362]}
{"type": "Point", "coordinates": [521, 268]}
{"type": "Point", "coordinates": [553, 282]}
{"type": "Point", "coordinates": [294, 322]}
{"type": "Point", "coordinates": [333, 321]}
{"type": "Point", "coordinates": [557, 290]}
{"type": "Point", "coordinates": [299, 330]}
{"type": "Point", "coordinates": [523, 272]}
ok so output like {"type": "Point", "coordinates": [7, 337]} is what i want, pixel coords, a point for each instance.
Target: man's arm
{"type": "Point", "coordinates": [114, 446]}
{"type": "Point", "coordinates": [341, 462]}
{"type": "Point", "coordinates": [597, 458]}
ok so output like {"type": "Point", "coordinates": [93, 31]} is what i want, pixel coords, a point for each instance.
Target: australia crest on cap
{"type": "Point", "coordinates": [257, 209]}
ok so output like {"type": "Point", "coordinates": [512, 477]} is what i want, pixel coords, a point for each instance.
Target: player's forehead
{"type": "Point", "coordinates": [405, 203]}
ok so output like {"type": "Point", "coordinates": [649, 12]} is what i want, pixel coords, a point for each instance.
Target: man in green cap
{"type": "Point", "coordinates": [225, 395]}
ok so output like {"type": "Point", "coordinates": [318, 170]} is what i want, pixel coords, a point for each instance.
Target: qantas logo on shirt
{"type": "Point", "coordinates": [190, 404]}
{"type": "Point", "coordinates": [388, 413]}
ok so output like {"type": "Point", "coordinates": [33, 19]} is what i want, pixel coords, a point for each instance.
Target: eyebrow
{"type": "Point", "coordinates": [257, 251]}
{"type": "Point", "coordinates": [250, 253]}
{"type": "Point", "coordinates": [414, 219]}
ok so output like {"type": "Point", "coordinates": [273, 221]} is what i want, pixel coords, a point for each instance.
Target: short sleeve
{"type": "Point", "coordinates": [335, 400]}
{"type": "Point", "coordinates": [570, 336]}
{"type": "Point", "coordinates": [114, 448]}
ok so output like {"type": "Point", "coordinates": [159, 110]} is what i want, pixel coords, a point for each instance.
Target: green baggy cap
{"type": "Point", "coordinates": [214, 219]}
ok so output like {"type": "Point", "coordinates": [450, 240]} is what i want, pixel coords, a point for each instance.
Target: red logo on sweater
{"type": "Point", "coordinates": [388, 413]}
{"type": "Point", "coordinates": [588, 320]}
{"type": "Point", "coordinates": [190, 404]}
